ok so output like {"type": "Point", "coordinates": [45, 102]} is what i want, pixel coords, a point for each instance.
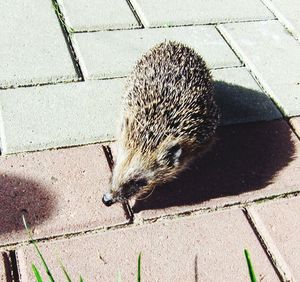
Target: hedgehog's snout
{"type": "Point", "coordinates": [107, 199]}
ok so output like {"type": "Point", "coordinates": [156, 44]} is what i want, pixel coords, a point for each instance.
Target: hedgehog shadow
{"type": "Point", "coordinates": [245, 157]}
{"type": "Point", "coordinates": [19, 196]}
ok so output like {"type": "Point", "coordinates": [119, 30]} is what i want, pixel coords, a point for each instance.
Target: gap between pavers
{"type": "Point", "coordinates": [34, 50]}
{"type": "Point", "coordinates": [248, 162]}
{"type": "Point", "coordinates": [273, 55]}
{"type": "Point", "coordinates": [58, 191]}
{"type": "Point", "coordinates": [277, 224]}
{"type": "Point", "coordinates": [206, 248]}
{"type": "Point", "coordinates": [157, 13]}
{"type": "Point", "coordinates": [287, 13]}
{"type": "Point", "coordinates": [110, 54]}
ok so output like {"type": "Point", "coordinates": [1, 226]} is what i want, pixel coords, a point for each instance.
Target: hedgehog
{"type": "Point", "coordinates": [169, 117]}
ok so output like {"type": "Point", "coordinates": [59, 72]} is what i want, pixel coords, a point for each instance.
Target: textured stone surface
{"type": "Point", "coordinates": [295, 122]}
{"type": "Point", "coordinates": [181, 12]}
{"type": "Point", "coordinates": [240, 98]}
{"type": "Point", "coordinates": [248, 162]}
{"type": "Point", "coordinates": [212, 250]}
{"type": "Point", "coordinates": [114, 53]}
{"type": "Point", "coordinates": [98, 14]}
{"type": "Point", "coordinates": [33, 48]}
{"type": "Point", "coordinates": [281, 219]}
{"type": "Point", "coordinates": [59, 115]}
{"type": "Point", "coordinates": [2, 268]}
{"type": "Point", "coordinates": [58, 191]}
{"type": "Point", "coordinates": [263, 46]}
{"type": "Point", "coordinates": [288, 12]}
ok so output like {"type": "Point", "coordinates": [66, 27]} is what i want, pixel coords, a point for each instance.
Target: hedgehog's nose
{"type": "Point", "coordinates": [107, 199]}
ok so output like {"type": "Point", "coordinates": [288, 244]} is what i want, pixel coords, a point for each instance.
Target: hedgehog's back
{"type": "Point", "coordinates": [170, 92]}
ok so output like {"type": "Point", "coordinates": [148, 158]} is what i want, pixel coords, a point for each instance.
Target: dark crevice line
{"type": "Point", "coordinates": [39, 84]}
{"type": "Point", "coordinates": [281, 19]}
{"type": "Point", "coordinates": [109, 157]}
{"type": "Point", "coordinates": [67, 35]}
{"type": "Point", "coordinates": [229, 45]}
{"type": "Point", "coordinates": [7, 267]}
{"type": "Point", "coordinates": [11, 266]}
{"type": "Point", "coordinates": [265, 245]}
{"type": "Point", "coordinates": [132, 8]}
{"type": "Point", "coordinates": [14, 265]}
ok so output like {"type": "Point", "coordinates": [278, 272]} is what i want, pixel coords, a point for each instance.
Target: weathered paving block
{"type": "Point", "coordinates": [280, 219]}
{"type": "Point", "coordinates": [274, 57]}
{"type": "Point", "coordinates": [59, 115]}
{"type": "Point", "coordinates": [295, 122]}
{"type": "Point", "coordinates": [288, 12]}
{"type": "Point", "coordinates": [248, 162]}
{"type": "Point", "coordinates": [33, 48]}
{"type": "Point", "coordinates": [98, 14]}
{"type": "Point", "coordinates": [180, 12]}
{"type": "Point", "coordinates": [58, 191]}
{"type": "Point", "coordinates": [114, 53]}
{"type": "Point", "coordinates": [212, 250]}
{"type": "Point", "coordinates": [2, 268]}
{"type": "Point", "coordinates": [240, 98]}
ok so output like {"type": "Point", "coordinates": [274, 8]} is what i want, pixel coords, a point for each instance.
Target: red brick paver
{"type": "Point", "coordinates": [201, 248]}
{"type": "Point", "coordinates": [59, 192]}
{"type": "Point", "coordinates": [278, 222]}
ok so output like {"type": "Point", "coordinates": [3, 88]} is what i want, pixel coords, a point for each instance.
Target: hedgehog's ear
{"type": "Point", "coordinates": [171, 154]}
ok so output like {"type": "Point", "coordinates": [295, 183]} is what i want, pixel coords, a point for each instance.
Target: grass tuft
{"type": "Point", "coordinates": [139, 268]}
{"type": "Point", "coordinates": [250, 266]}
{"type": "Point", "coordinates": [51, 279]}
{"type": "Point", "coordinates": [36, 273]}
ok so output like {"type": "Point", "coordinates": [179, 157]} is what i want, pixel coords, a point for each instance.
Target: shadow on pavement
{"type": "Point", "coordinates": [246, 157]}
{"type": "Point", "coordinates": [21, 196]}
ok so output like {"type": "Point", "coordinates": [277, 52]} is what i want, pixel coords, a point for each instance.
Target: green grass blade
{"type": "Point", "coordinates": [36, 273]}
{"type": "Point", "coordinates": [250, 266]}
{"type": "Point", "coordinates": [65, 272]}
{"type": "Point", "coordinates": [139, 268]}
{"type": "Point", "coordinates": [80, 279]}
{"type": "Point", "coordinates": [38, 251]}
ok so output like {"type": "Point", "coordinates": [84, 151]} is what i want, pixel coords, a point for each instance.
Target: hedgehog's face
{"type": "Point", "coordinates": [135, 174]}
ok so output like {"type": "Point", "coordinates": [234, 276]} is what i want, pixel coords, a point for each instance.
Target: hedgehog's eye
{"type": "Point", "coordinates": [171, 155]}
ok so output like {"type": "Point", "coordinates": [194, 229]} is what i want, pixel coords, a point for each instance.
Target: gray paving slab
{"type": "Point", "coordinates": [114, 53]}
{"type": "Point", "coordinates": [278, 222]}
{"type": "Point", "coordinates": [241, 99]}
{"type": "Point", "coordinates": [98, 14]}
{"type": "Point", "coordinates": [181, 12]}
{"type": "Point", "coordinates": [274, 57]}
{"type": "Point", "coordinates": [36, 118]}
{"type": "Point", "coordinates": [209, 247]}
{"type": "Point", "coordinates": [33, 49]}
{"type": "Point", "coordinates": [288, 12]}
